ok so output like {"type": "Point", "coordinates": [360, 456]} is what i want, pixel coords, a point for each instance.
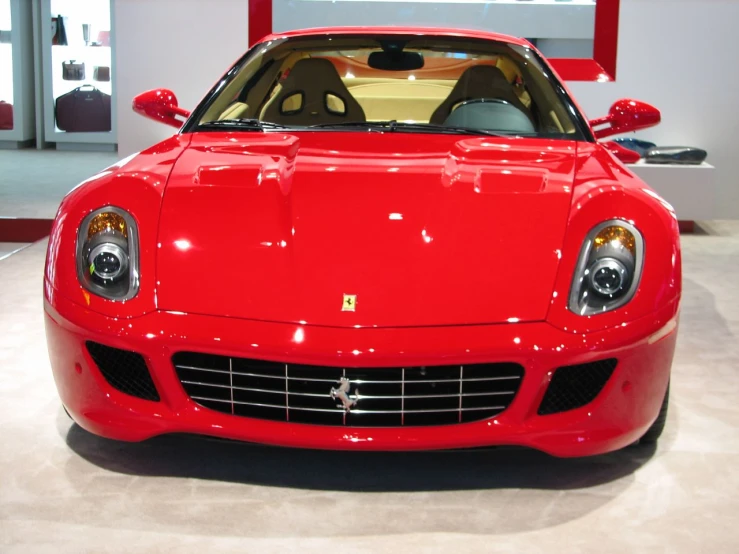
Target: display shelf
{"type": "Point", "coordinates": [689, 189]}
{"type": "Point", "coordinates": [6, 81]}
{"type": "Point", "coordinates": [87, 39]}
{"type": "Point", "coordinates": [92, 56]}
{"type": "Point", "coordinates": [6, 51]}
{"type": "Point", "coordinates": [16, 74]}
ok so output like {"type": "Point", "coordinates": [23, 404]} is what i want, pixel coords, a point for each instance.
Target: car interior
{"type": "Point", "coordinates": [309, 87]}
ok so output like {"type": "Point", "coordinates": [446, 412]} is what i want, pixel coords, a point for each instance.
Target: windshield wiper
{"type": "Point", "coordinates": [361, 124]}
{"type": "Point", "coordinates": [394, 125]}
{"type": "Point", "coordinates": [249, 124]}
{"type": "Point", "coordinates": [390, 126]}
{"type": "Point", "coordinates": [435, 128]}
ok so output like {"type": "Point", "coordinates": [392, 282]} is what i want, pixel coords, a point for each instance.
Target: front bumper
{"type": "Point", "coordinates": [621, 413]}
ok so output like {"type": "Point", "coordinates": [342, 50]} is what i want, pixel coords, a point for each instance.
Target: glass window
{"type": "Point", "coordinates": [415, 84]}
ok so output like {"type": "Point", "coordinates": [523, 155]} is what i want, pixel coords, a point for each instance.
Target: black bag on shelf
{"type": "Point", "coordinates": [6, 116]}
{"type": "Point", "coordinates": [83, 110]}
{"type": "Point", "coordinates": [58, 32]}
{"type": "Point", "coordinates": [73, 70]}
{"type": "Point", "coordinates": [101, 73]}
{"type": "Point", "coordinates": [683, 155]}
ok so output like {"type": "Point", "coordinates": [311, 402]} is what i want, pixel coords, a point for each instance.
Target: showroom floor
{"type": "Point", "coordinates": [63, 489]}
{"type": "Point", "coordinates": [33, 182]}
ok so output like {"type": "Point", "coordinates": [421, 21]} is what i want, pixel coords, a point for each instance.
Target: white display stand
{"type": "Point", "coordinates": [98, 14]}
{"type": "Point", "coordinates": [561, 29]}
{"type": "Point", "coordinates": [690, 189]}
{"type": "Point", "coordinates": [16, 71]}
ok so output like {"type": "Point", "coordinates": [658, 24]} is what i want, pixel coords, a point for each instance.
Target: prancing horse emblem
{"type": "Point", "coordinates": [350, 303]}
{"type": "Point", "coordinates": [342, 393]}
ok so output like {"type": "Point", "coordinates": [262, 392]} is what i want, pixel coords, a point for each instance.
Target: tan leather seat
{"type": "Point", "coordinates": [313, 93]}
{"type": "Point", "coordinates": [235, 111]}
{"type": "Point", "coordinates": [479, 81]}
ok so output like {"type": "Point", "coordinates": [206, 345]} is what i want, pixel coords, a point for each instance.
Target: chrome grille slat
{"type": "Point", "coordinates": [382, 397]}
{"type": "Point", "coordinates": [231, 382]}
{"type": "Point", "coordinates": [343, 417]}
{"type": "Point", "coordinates": [340, 411]}
{"type": "Point", "coordinates": [402, 396]}
{"type": "Point", "coordinates": [277, 406]}
{"type": "Point", "coordinates": [253, 389]}
{"type": "Point", "coordinates": [367, 396]}
{"type": "Point", "coordinates": [287, 395]}
{"type": "Point", "coordinates": [357, 381]}
{"type": "Point", "coordinates": [461, 382]}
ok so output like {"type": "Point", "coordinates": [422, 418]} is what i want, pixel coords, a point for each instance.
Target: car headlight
{"type": "Point", "coordinates": [608, 270]}
{"type": "Point", "coordinates": [107, 254]}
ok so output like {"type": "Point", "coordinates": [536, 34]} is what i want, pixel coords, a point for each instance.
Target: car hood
{"type": "Point", "coordinates": [420, 229]}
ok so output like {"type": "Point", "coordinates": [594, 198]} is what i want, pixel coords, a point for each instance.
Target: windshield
{"type": "Point", "coordinates": [407, 84]}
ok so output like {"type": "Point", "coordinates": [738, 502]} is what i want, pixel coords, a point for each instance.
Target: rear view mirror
{"type": "Point", "coordinates": [160, 105]}
{"type": "Point", "coordinates": [393, 60]}
{"type": "Point", "coordinates": [626, 115]}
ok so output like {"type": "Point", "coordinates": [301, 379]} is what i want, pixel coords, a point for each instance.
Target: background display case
{"type": "Point", "coordinates": [6, 63]}
{"type": "Point", "coordinates": [78, 74]}
{"type": "Point", "coordinates": [16, 74]}
{"type": "Point", "coordinates": [580, 37]}
{"type": "Point", "coordinates": [560, 28]}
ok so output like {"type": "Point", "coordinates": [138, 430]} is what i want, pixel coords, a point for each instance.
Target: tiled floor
{"type": "Point", "coordinates": [65, 490]}
{"type": "Point", "coordinates": [7, 249]}
{"type": "Point", "coordinates": [33, 182]}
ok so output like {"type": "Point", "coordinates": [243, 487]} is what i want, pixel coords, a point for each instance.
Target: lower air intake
{"type": "Point", "coordinates": [575, 386]}
{"type": "Point", "coordinates": [355, 397]}
{"type": "Point", "coordinates": [124, 371]}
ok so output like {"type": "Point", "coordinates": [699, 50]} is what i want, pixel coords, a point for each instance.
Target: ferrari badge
{"type": "Point", "coordinates": [350, 303]}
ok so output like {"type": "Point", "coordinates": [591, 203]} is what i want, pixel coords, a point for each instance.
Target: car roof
{"type": "Point", "coordinates": [425, 31]}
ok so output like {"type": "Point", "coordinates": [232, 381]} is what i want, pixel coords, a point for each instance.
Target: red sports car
{"type": "Point", "coordinates": [371, 239]}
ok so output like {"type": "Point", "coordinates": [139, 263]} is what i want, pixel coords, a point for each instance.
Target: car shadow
{"type": "Point", "coordinates": [187, 456]}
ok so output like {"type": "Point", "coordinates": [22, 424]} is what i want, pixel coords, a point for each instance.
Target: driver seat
{"type": "Point", "coordinates": [478, 81]}
{"type": "Point", "coordinates": [313, 93]}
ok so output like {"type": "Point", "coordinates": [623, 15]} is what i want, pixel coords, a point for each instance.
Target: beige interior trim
{"type": "Point", "coordinates": [235, 111]}
{"type": "Point", "coordinates": [384, 99]}
{"type": "Point", "coordinates": [509, 68]}
{"type": "Point", "coordinates": [556, 121]}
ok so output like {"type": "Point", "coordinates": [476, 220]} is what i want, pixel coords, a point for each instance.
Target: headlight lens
{"type": "Point", "coordinates": [608, 270]}
{"type": "Point", "coordinates": [107, 254]}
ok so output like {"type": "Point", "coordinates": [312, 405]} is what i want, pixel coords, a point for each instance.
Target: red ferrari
{"type": "Point", "coordinates": [371, 239]}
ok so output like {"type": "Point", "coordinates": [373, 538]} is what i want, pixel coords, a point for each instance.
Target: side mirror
{"type": "Point", "coordinates": [626, 115]}
{"type": "Point", "coordinates": [160, 105]}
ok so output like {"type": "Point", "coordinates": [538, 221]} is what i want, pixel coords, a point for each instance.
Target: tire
{"type": "Point", "coordinates": [654, 432]}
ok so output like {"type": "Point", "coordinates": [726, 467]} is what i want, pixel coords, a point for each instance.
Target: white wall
{"type": "Point", "coordinates": [541, 20]}
{"type": "Point", "coordinates": [183, 45]}
{"type": "Point", "coordinates": [681, 56]}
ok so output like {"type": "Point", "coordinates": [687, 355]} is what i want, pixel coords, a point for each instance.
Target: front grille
{"type": "Point", "coordinates": [385, 397]}
{"type": "Point", "coordinates": [576, 386]}
{"type": "Point", "coordinates": [123, 370]}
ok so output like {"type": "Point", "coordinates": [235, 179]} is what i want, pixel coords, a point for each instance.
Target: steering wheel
{"type": "Point", "coordinates": [483, 101]}
{"type": "Point", "coordinates": [493, 114]}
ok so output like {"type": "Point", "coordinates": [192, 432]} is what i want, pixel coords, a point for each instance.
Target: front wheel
{"type": "Point", "coordinates": [654, 432]}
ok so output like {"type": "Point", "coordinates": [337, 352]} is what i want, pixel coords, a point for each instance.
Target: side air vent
{"type": "Point", "coordinates": [123, 370]}
{"type": "Point", "coordinates": [575, 386]}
